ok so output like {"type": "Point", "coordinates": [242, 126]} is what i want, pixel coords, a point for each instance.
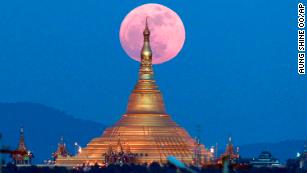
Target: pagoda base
{"type": "Point", "coordinates": [151, 137]}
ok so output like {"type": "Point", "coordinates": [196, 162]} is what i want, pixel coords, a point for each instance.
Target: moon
{"type": "Point", "coordinates": [167, 33]}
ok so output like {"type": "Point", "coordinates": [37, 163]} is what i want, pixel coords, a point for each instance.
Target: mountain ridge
{"type": "Point", "coordinates": [43, 128]}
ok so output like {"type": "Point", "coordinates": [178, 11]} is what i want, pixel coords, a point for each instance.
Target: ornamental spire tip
{"type": "Point", "coordinates": [146, 55]}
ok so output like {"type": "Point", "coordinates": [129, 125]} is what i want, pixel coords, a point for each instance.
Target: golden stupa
{"type": "Point", "coordinates": [145, 129]}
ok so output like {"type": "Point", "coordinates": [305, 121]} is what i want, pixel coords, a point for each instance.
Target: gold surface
{"type": "Point", "coordinates": [146, 98]}
{"type": "Point", "coordinates": [145, 129]}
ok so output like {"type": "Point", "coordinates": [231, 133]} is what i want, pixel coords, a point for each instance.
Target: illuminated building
{"type": "Point", "coordinates": [22, 155]}
{"type": "Point", "coordinates": [61, 150]}
{"type": "Point", "coordinates": [230, 154]}
{"type": "Point", "coordinates": [146, 129]}
{"type": "Point", "coordinates": [265, 159]}
{"type": "Point", "coordinates": [119, 155]}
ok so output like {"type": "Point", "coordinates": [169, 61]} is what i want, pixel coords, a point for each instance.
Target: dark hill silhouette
{"type": "Point", "coordinates": [43, 128]}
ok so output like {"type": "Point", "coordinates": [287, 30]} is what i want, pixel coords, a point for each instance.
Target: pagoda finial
{"type": "Point", "coordinates": [146, 71]}
{"type": "Point", "coordinates": [21, 135]}
{"type": "Point", "coordinates": [21, 145]}
{"type": "Point", "coordinates": [62, 140]}
{"type": "Point", "coordinates": [146, 31]}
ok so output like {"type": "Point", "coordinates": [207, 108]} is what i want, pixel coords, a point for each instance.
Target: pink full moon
{"type": "Point", "coordinates": [167, 33]}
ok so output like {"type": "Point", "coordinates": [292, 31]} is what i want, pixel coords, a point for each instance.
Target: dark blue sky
{"type": "Point", "coordinates": [236, 74]}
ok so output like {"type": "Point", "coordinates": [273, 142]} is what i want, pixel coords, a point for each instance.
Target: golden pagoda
{"type": "Point", "coordinates": [145, 130]}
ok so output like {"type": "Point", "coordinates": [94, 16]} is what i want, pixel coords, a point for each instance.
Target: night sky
{"type": "Point", "coordinates": [236, 74]}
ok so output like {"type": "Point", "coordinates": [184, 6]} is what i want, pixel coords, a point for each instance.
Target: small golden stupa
{"type": "Point", "coordinates": [145, 130]}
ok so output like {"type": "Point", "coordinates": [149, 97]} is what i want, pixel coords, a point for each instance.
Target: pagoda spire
{"type": "Point", "coordinates": [22, 155]}
{"type": "Point", "coordinates": [62, 140]}
{"type": "Point", "coordinates": [229, 147]}
{"type": "Point", "coordinates": [146, 98]}
{"type": "Point", "coordinates": [229, 140]}
{"type": "Point", "coordinates": [22, 145]}
{"type": "Point", "coordinates": [146, 71]}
